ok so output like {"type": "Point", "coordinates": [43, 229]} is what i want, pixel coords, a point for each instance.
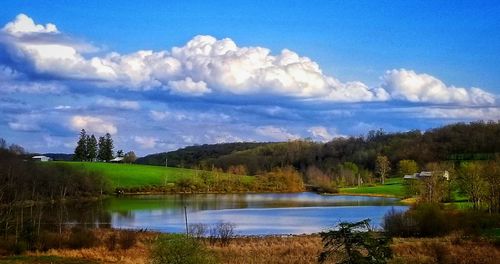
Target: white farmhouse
{"type": "Point", "coordinates": [426, 175]}
{"type": "Point", "coordinates": [41, 158]}
{"type": "Point", "coordinates": [117, 160]}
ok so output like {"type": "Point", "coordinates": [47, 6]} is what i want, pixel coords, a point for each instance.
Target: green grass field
{"type": "Point", "coordinates": [393, 187]}
{"type": "Point", "coordinates": [133, 175]}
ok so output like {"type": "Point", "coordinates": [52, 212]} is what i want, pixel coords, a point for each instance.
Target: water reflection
{"type": "Point", "coordinates": [253, 214]}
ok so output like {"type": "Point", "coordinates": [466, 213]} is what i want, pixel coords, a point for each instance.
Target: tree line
{"type": "Point", "coordinates": [22, 179]}
{"type": "Point", "coordinates": [90, 149]}
{"type": "Point", "coordinates": [455, 142]}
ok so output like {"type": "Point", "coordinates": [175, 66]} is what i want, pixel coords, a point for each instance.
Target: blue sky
{"type": "Point", "coordinates": [165, 74]}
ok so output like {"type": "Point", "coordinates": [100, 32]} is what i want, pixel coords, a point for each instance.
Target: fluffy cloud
{"type": "Point", "coordinates": [158, 115]}
{"type": "Point", "coordinates": [320, 133]}
{"type": "Point", "coordinates": [276, 133]}
{"type": "Point", "coordinates": [409, 85]}
{"type": "Point", "coordinates": [189, 87]}
{"type": "Point", "coordinates": [12, 81]}
{"type": "Point", "coordinates": [92, 124]}
{"type": "Point", "coordinates": [118, 104]}
{"type": "Point", "coordinates": [146, 142]}
{"type": "Point", "coordinates": [24, 24]}
{"type": "Point", "coordinates": [487, 113]}
{"type": "Point", "coordinates": [208, 65]}
{"type": "Point", "coordinates": [26, 123]}
{"type": "Point", "coordinates": [203, 65]}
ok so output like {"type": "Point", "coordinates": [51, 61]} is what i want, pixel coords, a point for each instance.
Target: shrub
{"type": "Point", "coordinates": [111, 242]}
{"type": "Point", "coordinates": [430, 220]}
{"type": "Point", "coordinates": [198, 230]}
{"type": "Point", "coordinates": [178, 249]}
{"type": "Point", "coordinates": [127, 239]}
{"type": "Point", "coordinates": [355, 243]}
{"type": "Point", "coordinates": [425, 220]}
{"type": "Point", "coordinates": [49, 240]}
{"type": "Point", "coordinates": [222, 232]}
{"type": "Point", "coordinates": [397, 223]}
{"type": "Point", "coordinates": [81, 238]}
{"type": "Point", "coordinates": [19, 248]}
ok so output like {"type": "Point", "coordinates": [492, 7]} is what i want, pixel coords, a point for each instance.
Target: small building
{"type": "Point", "coordinates": [426, 174]}
{"type": "Point", "coordinates": [117, 160]}
{"type": "Point", "coordinates": [41, 158]}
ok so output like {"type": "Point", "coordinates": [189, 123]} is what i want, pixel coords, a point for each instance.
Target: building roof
{"type": "Point", "coordinates": [117, 159]}
{"type": "Point", "coordinates": [40, 157]}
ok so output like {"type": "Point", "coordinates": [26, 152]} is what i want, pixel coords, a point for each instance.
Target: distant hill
{"type": "Point", "coordinates": [191, 156]}
{"type": "Point", "coordinates": [455, 142]}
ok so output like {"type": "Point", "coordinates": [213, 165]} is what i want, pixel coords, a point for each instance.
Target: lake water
{"type": "Point", "coordinates": [252, 214]}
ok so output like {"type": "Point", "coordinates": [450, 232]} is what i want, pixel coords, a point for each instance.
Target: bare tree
{"type": "Point", "coordinates": [129, 157]}
{"type": "Point", "coordinates": [382, 167]}
{"type": "Point", "coordinates": [3, 143]}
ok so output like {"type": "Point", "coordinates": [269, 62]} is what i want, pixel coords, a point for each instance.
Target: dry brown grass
{"type": "Point", "coordinates": [137, 254]}
{"type": "Point", "coordinates": [297, 249]}
{"type": "Point", "coordinates": [451, 249]}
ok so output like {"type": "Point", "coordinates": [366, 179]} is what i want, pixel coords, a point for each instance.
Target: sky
{"type": "Point", "coordinates": [161, 75]}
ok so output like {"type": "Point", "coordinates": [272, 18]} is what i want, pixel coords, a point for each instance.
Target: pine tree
{"type": "Point", "coordinates": [91, 148]}
{"type": "Point", "coordinates": [109, 147]}
{"type": "Point", "coordinates": [105, 148]}
{"type": "Point", "coordinates": [81, 147]}
{"type": "Point", "coordinates": [101, 152]}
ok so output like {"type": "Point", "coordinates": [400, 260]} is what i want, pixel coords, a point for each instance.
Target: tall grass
{"type": "Point", "coordinates": [294, 249]}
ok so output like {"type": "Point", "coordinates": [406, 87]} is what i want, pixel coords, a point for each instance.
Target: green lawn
{"type": "Point", "coordinates": [133, 175]}
{"type": "Point", "coordinates": [392, 187]}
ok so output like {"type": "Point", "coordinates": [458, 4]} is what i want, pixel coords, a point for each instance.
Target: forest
{"type": "Point", "coordinates": [456, 142]}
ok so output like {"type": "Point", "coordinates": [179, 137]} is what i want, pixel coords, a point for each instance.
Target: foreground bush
{"type": "Point", "coordinates": [425, 220]}
{"type": "Point", "coordinates": [178, 249]}
{"type": "Point", "coordinates": [430, 220]}
{"type": "Point", "coordinates": [81, 238]}
{"type": "Point", "coordinates": [355, 243]}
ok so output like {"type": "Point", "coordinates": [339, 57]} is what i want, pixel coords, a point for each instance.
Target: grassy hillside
{"type": "Point", "coordinates": [193, 155]}
{"type": "Point", "coordinates": [134, 175]}
{"type": "Point", "coordinates": [392, 187]}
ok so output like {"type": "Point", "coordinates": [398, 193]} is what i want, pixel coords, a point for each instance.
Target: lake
{"type": "Point", "coordinates": [252, 214]}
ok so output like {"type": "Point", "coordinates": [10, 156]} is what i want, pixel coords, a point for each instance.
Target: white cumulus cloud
{"type": "Point", "coordinates": [321, 133]}
{"type": "Point", "coordinates": [92, 124]}
{"type": "Point", "coordinates": [146, 142]}
{"type": "Point", "coordinates": [276, 133]}
{"type": "Point", "coordinates": [409, 85]}
{"type": "Point", "coordinates": [205, 64]}
{"type": "Point", "coordinates": [24, 24]}
{"type": "Point", "coordinates": [188, 86]}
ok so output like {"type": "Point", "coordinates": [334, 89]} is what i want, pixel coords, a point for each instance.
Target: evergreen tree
{"type": "Point", "coordinates": [91, 148]}
{"type": "Point", "coordinates": [81, 147]}
{"type": "Point", "coordinates": [102, 147]}
{"type": "Point", "coordinates": [109, 147]}
{"type": "Point", "coordinates": [106, 148]}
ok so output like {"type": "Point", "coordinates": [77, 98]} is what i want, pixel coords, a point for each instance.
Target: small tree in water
{"type": "Point", "coordinates": [355, 243]}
